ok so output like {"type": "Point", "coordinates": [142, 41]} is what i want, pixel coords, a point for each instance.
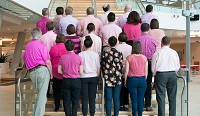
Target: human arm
{"type": "Point", "coordinates": [49, 66]}
{"type": "Point", "coordinates": [79, 30]}
{"type": "Point", "coordinates": [81, 69]}
{"type": "Point", "coordinates": [126, 72]}
{"type": "Point", "coordinates": [60, 69]}
{"type": "Point", "coordinates": [153, 64]}
{"type": "Point", "coordinates": [146, 69]}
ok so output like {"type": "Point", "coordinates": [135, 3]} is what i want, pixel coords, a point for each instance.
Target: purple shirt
{"type": "Point", "coordinates": [148, 45]}
{"type": "Point", "coordinates": [55, 53]}
{"type": "Point", "coordinates": [122, 20]}
{"type": "Point", "coordinates": [70, 63]}
{"type": "Point", "coordinates": [146, 18]}
{"type": "Point", "coordinates": [77, 42]}
{"type": "Point", "coordinates": [35, 54]}
{"type": "Point", "coordinates": [42, 24]}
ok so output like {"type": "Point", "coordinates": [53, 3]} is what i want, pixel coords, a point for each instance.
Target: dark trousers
{"type": "Point", "coordinates": [149, 88]}
{"type": "Point", "coordinates": [124, 98]}
{"type": "Point", "coordinates": [88, 92]}
{"type": "Point", "coordinates": [71, 92]}
{"type": "Point", "coordinates": [57, 83]}
{"type": "Point", "coordinates": [166, 81]}
{"type": "Point", "coordinates": [136, 87]}
{"type": "Point", "coordinates": [112, 93]}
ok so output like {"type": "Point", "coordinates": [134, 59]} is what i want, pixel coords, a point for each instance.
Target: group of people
{"type": "Point", "coordinates": [129, 52]}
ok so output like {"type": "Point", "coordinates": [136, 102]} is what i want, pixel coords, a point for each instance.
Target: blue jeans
{"type": "Point", "coordinates": [112, 93]}
{"type": "Point", "coordinates": [137, 87]}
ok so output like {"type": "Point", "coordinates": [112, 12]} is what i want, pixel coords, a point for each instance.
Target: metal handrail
{"type": "Point", "coordinates": [141, 9]}
{"type": "Point", "coordinates": [51, 4]}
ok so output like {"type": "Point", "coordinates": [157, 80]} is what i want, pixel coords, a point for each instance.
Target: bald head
{"type": "Point", "coordinates": [128, 8]}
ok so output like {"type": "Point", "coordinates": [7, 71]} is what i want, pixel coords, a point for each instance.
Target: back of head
{"type": "Point", "coordinates": [68, 10]}
{"type": "Point", "coordinates": [50, 25]}
{"type": "Point", "coordinates": [60, 38]}
{"type": "Point", "coordinates": [59, 10]}
{"type": "Point", "coordinates": [45, 11]}
{"type": "Point", "coordinates": [90, 11]}
{"type": "Point", "coordinates": [90, 27]}
{"type": "Point", "coordinates": [111, 17]}
{"type": "Point", "coordinates": [69, 45]}
{"type": "Point", "coordinates": [36, 33]}
{"type": "Point", "coordinates": [144, 27]}
{"type": "Point", "coordinates": [70, 29]}
{"type": "Point", "coordinates": [136, 47]}
{"type": "Point", "coordinates": [166, 41]}
{"type": "Point", "coordinates": [128, 8]}
{"type": "Point", "coordinates": [122, 37]}
{"type": "Point", "coordinates": [154, 24]}
{"type": "Point", "coordinates": [106, 7]}
{"type": "Point", "coordinates": [133, 18]}
{"type": "Point", "coordinates": [149, 8]}
{"type": "Point", "coordinates": [112, 41]}
{"type": "Point", "coordinates": [88, 42]}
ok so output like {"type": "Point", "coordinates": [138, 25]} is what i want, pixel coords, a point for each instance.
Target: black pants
{"type": "Point", "coordinates": [57, 83]}
{"type": "Point", "coordinates": [148, 90]}
{"type": "Point", "coordinates": [166, 81]}
{"type": "Point", "coordinates": [124, 98]}
{"type": "Point", "coordinates": [88, 92]}
{"type": "Point", "coordinates": [71, 88]}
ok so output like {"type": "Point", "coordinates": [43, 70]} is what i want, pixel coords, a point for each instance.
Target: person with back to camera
{"type": "Point", "coordinates": [89, 78]}
{"type": "Point", "coordinates": [71, 67]}
{"type": "Point", "coordinates": [146, 18]}
{"type": "Point", "coordinates": [56, 52]}
{"type": "Point", "coordinates": [111, 63]}
{"type": "Point", "coordinates": [103, 17]}
{"type": "Point", "coordinates": [135, 77]}
{"type": "Point", "coordinates": [56, 20]}
{"type": "Point", "coordinates": [125, 49]}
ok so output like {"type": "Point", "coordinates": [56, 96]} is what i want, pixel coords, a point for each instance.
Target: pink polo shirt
{"type": "Point", "coordinates": [132, 31]}
{"type": "Point", "coordinates": [42, 24]}
{"type": "Point", "coordinates": [35, 54]}
{"type": "Point", "coordinates": [55, 53]}
{"type": "Point", "coordinates": [70, 63]}
{"type": "Point", "coordinates": [82, 25]}
{"type": "Point", "coordinates": [136, 65]}
{"type": "Point", "coordinates": [49, 39]}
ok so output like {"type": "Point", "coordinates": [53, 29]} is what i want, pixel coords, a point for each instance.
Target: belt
{"type": "Point", "coordinates": [35, 68]}
{"type": "Point", "coordinates": [165, 71]}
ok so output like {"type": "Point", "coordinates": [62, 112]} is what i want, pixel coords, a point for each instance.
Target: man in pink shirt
{"type": "Point", "coordinates": [49, 38]}
{"type": "Point", "coordinates": [122, 19]}
{"type": "Point", "coordinates": [37, 60]}
{"type": "Point", "coordinates": [42, 22]}
{"type": "Point", "coordinates": [111, 29]}
{"type": "Point", "coordinates": [82, 25]}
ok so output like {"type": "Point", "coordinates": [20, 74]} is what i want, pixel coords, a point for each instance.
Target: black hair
{"type": "Point", "coordinates": [144, 27]}
{"type": "Point", "coordinates": [60, 10]}
{"type": "Point", "coordinates": [69, 45]}
{"type": "Point", "coordinates": [136, 47]}
{"type": "Point", "coordinates": [88, 41]}
{"type": "Point", "coordinates": [112, 41]}
{"type": "Point", "coordinates": [111, 17]}
{"type": "Point", "coordinates": [166, 40]}
{"type": "Point", "coordinates": [105, 9]}
{"type": "Point", "coordinates": [90, 27]}
{"type": "Point", "coordinates": [122, 37]}
{"type": "Point", "coordinates": [149, 8]}
{"type": "Point", "coordinates": [50, 25]}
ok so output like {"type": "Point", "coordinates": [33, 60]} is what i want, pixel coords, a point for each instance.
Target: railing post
{"type": "Point", "coordinates": [94, 7]}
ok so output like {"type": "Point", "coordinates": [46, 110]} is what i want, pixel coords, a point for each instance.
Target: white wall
{"type": "Point", "coordinates": [35, 5]}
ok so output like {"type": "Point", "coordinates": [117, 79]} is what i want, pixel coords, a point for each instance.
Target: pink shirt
{"type": "Point", "coordinates": [35, 54]}
{"type": "Point", "coordinates": [132, 31]}
{"type": "Point", "coordinates": [136, 65]}
{"type": "Point", "coordinates": [42, 24]}
{"type": "Point", "coordinates": [70, 63]}
{"type": "Point", "coordinates": [55, 53]}
{"type": "Point", "coordinates": [82, 25]}
{"type": "Point", "coordinates": [158, 34]}
{"type": "Point", "coordinates": [49, 39]}
{"type": "Point", "coordinates": [111, 29]}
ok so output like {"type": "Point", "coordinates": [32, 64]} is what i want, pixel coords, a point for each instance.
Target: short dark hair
{"type": "Point", "coordinates": [133, 18]}
{"type": "Point", "coordinates": [111, 17]}
{"type": "Point", "coordinates": [136, 47]}
{"type": "Point", "coordinates": [50, 25]}
{"type": "Point", "coordinates": [90, 27]}
{"type": "Point", "coordinates": [144, 27]}
{"type": "Point", "coordinates": [88, 41]}
{"type": "Point", "coordinates": [68, 10]}
{"type": "Point", "coordinates": [70, 29]}
{"type": "Point", "coordinates": [59, 10]}
{"type": "Point", "coordinates": [105, 9]}
{"type": "Point", "coordinates": [69, 45]}
{"type": "Point", "coordinates": [154, 24]}
{"type": "Point", "coordinates": [60, 38]}
{"type": "Point", "coordinates": [90, 11]}
{"type": "Point", "coordinates": [122, 37]}
{"type": "Point", "coordinates": [45, 11]}
{"type": "Point", "coordinates": [166, 40]}
{"type": "Point", "coordinates": [149, 8]}
{"type": "Point", "coordinates": [112, 41]}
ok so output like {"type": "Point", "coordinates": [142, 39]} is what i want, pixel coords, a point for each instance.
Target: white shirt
{"type": "Point", "coordinates": [104, 18]}
{"type": "Point", "coordinates": [97, 43]}
{"type": "Point", "coordinates": [165, 59]}
{"type": "Point", "coordinates": [91, 63]}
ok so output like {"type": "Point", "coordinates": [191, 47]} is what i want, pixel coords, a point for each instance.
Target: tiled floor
{"type": "Point", "coordinates": [7, 104]}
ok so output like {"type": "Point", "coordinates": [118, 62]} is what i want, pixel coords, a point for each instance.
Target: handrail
{"type": "Point", "coordinates": [51, 4]}
{"type": "Point", "coordinates": [137, 2]}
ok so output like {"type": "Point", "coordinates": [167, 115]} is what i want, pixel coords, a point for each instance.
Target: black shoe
{"type": "Point", "coordinates": [125, 109]}
{"type": "Point", "coordinates": [121, 109]}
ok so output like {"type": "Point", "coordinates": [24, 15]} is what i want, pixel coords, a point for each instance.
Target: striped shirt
{"type": "Point", "coordinates": [77, 42]}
